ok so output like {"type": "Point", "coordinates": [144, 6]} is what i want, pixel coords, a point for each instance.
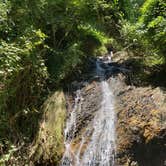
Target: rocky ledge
{"type": "Point", "coordinates": [141, 124]}
{"type": "Point", "coordinates": [141, 118]}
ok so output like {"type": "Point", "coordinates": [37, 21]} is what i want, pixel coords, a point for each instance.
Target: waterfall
{"type": "Point", "coordinates": [69, 156]}
{"type": "Point", "coordinates": [100, 149]}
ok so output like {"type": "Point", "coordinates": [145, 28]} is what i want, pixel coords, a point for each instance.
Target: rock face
{"type": "Point", "coordinates": [91, 97]}
{"type": "Point", "coordinates": [48, 147]}
{"type": "Point", "coordinates": [141, 124]}
{"type": "Point", "coordinates": [141, 118]}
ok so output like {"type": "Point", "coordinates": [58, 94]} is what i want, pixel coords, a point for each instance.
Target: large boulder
{"type": "Point", "coordinates": [48, 147]}
{"type": "Point", "coordinates": [141, 125]}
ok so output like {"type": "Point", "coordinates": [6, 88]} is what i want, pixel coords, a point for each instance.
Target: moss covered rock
{"type": "Point", "coordinates": [48, 146]}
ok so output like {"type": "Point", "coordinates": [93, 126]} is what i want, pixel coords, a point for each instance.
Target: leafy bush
{"type": "Point", "coordinates": [91, 39]}
{"type": "Point", "coordinates": [154, 20]}
{"type": "Point", "coordinates": [147, 36]}
{"type": "Point", "coordinates": [22, 71]}
{"type": "Point", "coordinates": [133, 38]}
{"type": "Point", "coordinates": [23, 76]}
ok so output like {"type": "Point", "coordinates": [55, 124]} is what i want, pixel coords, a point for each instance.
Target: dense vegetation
{"type": "Point", "coordinates": [44, 43]}
{"type": "Point", "coordinates": [145, 38]}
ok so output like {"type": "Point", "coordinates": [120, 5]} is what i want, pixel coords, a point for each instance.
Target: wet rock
{"type": "Point", "coordinates": [141, 118]}
{"type": "Point", "coordinates": [140, 124]}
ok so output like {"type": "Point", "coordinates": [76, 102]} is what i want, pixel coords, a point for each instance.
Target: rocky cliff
{"type": "Point", "coordinates": [141, 121]}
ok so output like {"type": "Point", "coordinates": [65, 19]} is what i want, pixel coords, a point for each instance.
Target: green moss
{"type": "Point", "coordinates": [48, 146]}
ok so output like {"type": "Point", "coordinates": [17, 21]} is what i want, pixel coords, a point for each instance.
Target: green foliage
{"type": "Point", "coordinates": [74, 33]}
{"type": "Point", "coordinates": [43, 43]}
{"type": "Point", "coordinates": [3, 14]}
{"type": "Point", "coordinates": [146, 39]}
{"type": "Point", "coordinates": [62, 63]}
{"type": "Point", "coordinates": [5, 157]}
{"type": "Point", "coordinates": [154, 21]}
{"type": "Point", "coordinates": [152, 9]}
{"type": "Point", "coordinates": [91, 39]}
{"type": "Point", "coordinates": [131, 9]}
{"type": "Point", "coordinates": [147, 36]}
{"type": "Point", "coordinates": [22, 72]}
{"type": "Point", "coordinates": [23, 75]}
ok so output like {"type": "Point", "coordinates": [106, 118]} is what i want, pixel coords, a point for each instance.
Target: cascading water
{"type": "Point", "coordinates": [100, 149]}
{"type": "Point", "coordinates": [69, 156]}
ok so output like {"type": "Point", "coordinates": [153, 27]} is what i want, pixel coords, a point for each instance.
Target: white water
{"type": "Point", "coordinates": [100, 150]}
{"type": "Point", "coordinates": [69, 156]}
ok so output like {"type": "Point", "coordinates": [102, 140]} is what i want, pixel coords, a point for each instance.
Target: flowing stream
{"type": "Point", "coordinates": [70, 131]}
{"type": "Point", "coordinates": [100, 147]}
